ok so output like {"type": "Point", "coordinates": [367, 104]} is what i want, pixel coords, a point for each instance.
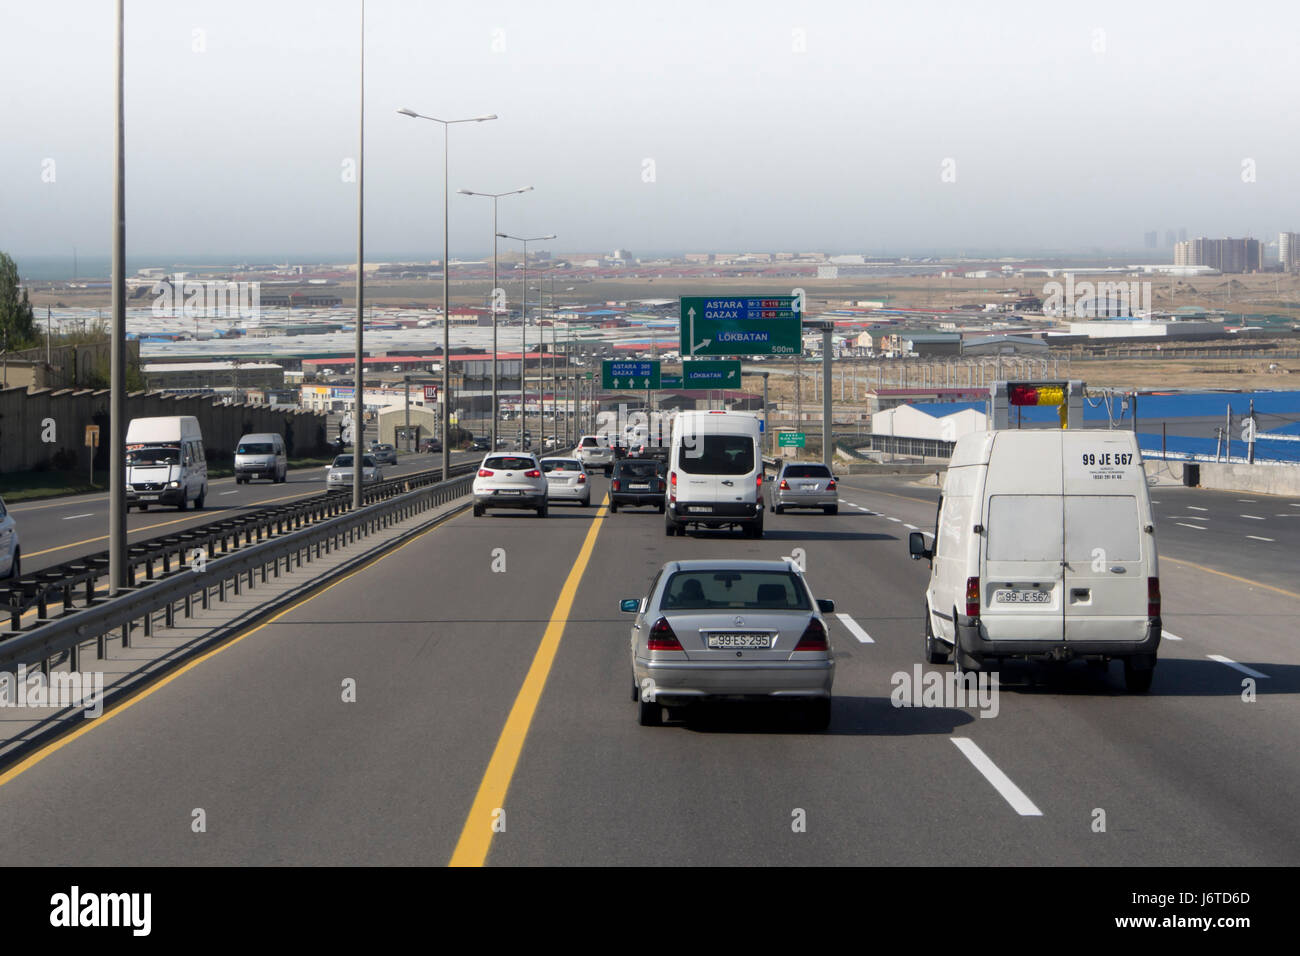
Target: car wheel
{"type": "Point", "coordinates": [1137, 680]}
{"type": "Point", "coordinates": [779, 509]}
{"type": "Point", "coordinates": [651, 713]}
{"type": "Point", "coordinates": [541, 512]}
{"type": "Point", "coordinates": [613, 507]}
{"type": "Point", "coordinates": [832, 509]}
{"type": "Point", "coordinates": [143, 507]}
{"type": "Point", "coordinates": [931, 653]}
{"type": "Point", "coordinates": [661, 508]}
{"type": "Point", "coordinates": [758, 531]}
{"type": "Point", "coordinates": [819, 713]}
{"type": "Point", "coordinates": [16, 565]}
{"type": "Point", "coordinates": [478, 511]}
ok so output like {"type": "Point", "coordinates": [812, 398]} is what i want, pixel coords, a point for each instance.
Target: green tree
{"type": "Point", "coordinates": [17, 324]}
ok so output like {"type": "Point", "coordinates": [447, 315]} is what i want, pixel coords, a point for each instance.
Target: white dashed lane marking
{"type": "Point", "coordinates": [1248, 671]}
{"type": "Point", "coordinates": [855, 629]}
{"type": "Point", "coordinates": [1001, 782]}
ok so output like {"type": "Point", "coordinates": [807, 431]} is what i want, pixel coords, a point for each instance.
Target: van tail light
{"type": "Point", "coordinates": [831, 486]}
{"type": "Point", "coordinates": [1153, 597]}
{"type": "Point", "coordinates": [972, 597]}
{"type": "Point", "coordinates": [672, 480]}
{"type": "Point", "coordinates": [485, 473]}
{"type": "Point", "coordinates": [785, 485]}
{"type": "Point", "coordinates": [814, 637]}
{"type": "Point", "coordinates": [614, 485]}
{"type": "Point", "coordinates": [532, 473]}
{"type": "Point", "coordinates": [662, 637]}
{"type": "Point", "coordinates": [760, 480]}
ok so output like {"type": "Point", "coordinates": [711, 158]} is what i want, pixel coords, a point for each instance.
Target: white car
{"type": "Point", "coordinates": [594, 452]}
{"type": "Point", "coordinates": [510, 480]}
{"type": "Point", "coordinates": [339, 474]}
{"type": "Point", "coordinates": [566, 480]}
{"type": "Point", "coordinates": [10, 552]}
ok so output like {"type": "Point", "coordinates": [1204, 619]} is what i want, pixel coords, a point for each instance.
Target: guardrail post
{"type": "Point", "coordinates": [74, 657]}
{"type": "Point", "coordinates": [101, 646]}
{"type": "Point", "coordinates": [126, 634]}
{"type": "Point", "coordinates": [147, 622]}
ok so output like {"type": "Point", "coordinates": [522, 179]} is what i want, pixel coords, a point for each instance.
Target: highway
{"type": "Point", "coordinates": [492, 721]}
{"type": "Point", "coordinates": [58, 530]}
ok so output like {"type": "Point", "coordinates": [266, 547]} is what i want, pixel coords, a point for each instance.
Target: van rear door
{"type": "Point", "coordinates": [717, 468]}
{"type": "Point", "coordinates": [1022, 585]}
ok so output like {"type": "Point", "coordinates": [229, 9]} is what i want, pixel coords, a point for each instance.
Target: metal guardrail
{"type": "Point", "coordinates": [199, 584]}
{"type": "Point", "coordinates": [62, 584]}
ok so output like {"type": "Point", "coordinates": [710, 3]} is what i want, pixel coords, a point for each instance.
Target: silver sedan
{"type": "Point", "coordinates": [805, 485]}
{"type": "Point", "coordinates": [718, 629]}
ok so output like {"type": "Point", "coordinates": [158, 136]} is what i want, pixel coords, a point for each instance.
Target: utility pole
{"type": "Point", "coordinates": [406, 380]}
{"type": "Point", "coordinates": [828, 455]}
{"type": "Point", "coordinates": [358, 385]}
{"type": "Point", "coordinates": [1250, 433]}
{"type": "Point", "coordinates": [767, 429]}
{"type": "Point", "coordinates": [1227, 435]}
{"type": "Point", "coordinates": [117, 557]}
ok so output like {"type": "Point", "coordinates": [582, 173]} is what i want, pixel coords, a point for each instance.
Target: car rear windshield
{"type": "Point", "coordinates": [255, 449]}
{"type": "Point", "coordinates": [638, 469]}
{"type": "Point", "coordinates": [560, 464]}
{"type": "Point", "coordinates": [806, 471]}
{"type": "Point", "coordinates": [509, 463]}
{"type": "Point", "coordinates": [716, 454]}
{"type": "Point", "coordinates": [743, 590]}
{"type": "Point", "coordinates": [589, 443]}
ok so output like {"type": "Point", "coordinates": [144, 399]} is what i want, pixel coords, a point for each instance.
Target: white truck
{"type": "Point", "coordinates": [165, 462]}
{"type": "Point", "coordinates": [1044, 549]}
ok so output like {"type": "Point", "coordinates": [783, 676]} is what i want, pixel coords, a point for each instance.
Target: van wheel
{"type": "Point", "coordinates": [198, 502]}
{"type": "Point", "coordinates": [932, 654]}
{"type": "Point", "coordinates": [961, 661]}
{"type": "Point", "coordinates": [1137, 680]}
{"type": "Point", "coordinates": [185, 503]}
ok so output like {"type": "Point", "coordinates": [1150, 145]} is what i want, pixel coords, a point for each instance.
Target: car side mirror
{"type": "Point", "coordinates": [916, 546]}
{"type": "Point", "coordinates": [826, 606]}
{"type": "Point", "coordinates": [629, 605]}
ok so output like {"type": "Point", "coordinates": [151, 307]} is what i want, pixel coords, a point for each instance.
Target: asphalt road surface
{"type": "Point", "coordinates": [492, 720]}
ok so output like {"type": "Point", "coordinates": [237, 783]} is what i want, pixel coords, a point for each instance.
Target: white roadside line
{"type": "Point", "coordinates": [230, 492]}
{"type": "Point", "coordinates": [1294, 505]}
{"type": "Point", "coordinates": [855, 629]}
{"type": "Point", "coordinates": [1256, 537]}
{"type": "Point", "coordinates": [912, 526]}
{"type": "Point", "coordinates": [1165, 635]}
{"type": "Point", "coordinates": [1186, 525]}
{"type": "Point", "coordinates": [1001, 782]}
{"type": "Point", "coordinates": [895, 520]}
{"type": "Point", "coordinates": [88, 514]}
{"type": "Point", "coordinates": [1249, 501]}
{"type": "Point", "coordinates": [1248, 671]}
{"type": "Point", "coordinates": [1194, 508]}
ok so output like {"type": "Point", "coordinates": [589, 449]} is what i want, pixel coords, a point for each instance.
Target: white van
{"type": "Point", "coordinates": [165, 463]}
{"type": "Point", "coordinates": [1044, 549]}
{"type": "Point", "coordinates": [261, 456]}
{"type": "Point", "coordinates": [715, 473]}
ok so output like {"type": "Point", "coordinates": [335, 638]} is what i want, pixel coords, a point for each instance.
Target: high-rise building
{"type": "Point", "coordinates": [1151, 238]}
{"type": "Point", "coordinates": [1288, 251]}
{"type": "Point", "coordinates": [1226, 255]}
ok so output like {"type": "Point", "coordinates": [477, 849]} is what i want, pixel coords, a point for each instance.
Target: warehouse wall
{"type": "Point", "coordinates": [38, 425]}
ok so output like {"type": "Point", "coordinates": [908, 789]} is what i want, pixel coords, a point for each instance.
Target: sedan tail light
{"type": "Point", "coordinates": [485, 473]}
{"type": "Point", "coordinates": [614, 485]}
{"type": "Point", "coordinates": [972, 597]}
{"type": "Point", "coordinates": [1153, 597]}
{"type": "Point", "coordinates": [831, 486]}
{"type": "Point", "coordinates": [662, 637]}
{"type": "Point", "coordinates": [785, 485]}
{"type": "Point", "coordinates": [814, 637]}
{"type": "Point", "coordinates": [532, 473]}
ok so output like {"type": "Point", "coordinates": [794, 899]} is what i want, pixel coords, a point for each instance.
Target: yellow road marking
{"type": "Point", "coordinates": [476, 836]}
{"type": "Point", "coordinates": [1231, 577]}
{"type": "Point", "coordinates": [87, 726]}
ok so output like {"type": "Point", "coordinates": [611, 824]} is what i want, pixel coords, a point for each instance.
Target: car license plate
{"type": "Point", "coordinates": [508, 492]}
{"type": "Point", "coordinates": [645, 487]}
{"type": "Point", "coordinates": [701, 509]}
{"type": "Point", "coordinates": [1021, 596]}
{"type": "Point", "coordinates": [148, 497]}
{"type": "Point", "coordinates": [809, 486]}
{"type": "Point", "coordinates": [724, 640]}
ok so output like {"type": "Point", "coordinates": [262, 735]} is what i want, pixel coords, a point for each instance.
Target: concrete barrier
{"type": "Point", "coordinates": [1259, 479]}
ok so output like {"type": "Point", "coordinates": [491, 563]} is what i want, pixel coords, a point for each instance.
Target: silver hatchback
{"type": "Point", "coordinates": [805, 485]}
{"type": "Point", "coordinates": [728, 629]}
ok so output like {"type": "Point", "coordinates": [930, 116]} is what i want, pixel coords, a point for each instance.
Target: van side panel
{"type": "Point", "coordinates": [955, 547]}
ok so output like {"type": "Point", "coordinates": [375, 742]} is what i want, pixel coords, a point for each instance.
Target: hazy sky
{"type": "Point", "coordinates": [770, 125]}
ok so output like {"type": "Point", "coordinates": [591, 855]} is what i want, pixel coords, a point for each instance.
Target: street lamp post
{"type": "Point", "coordinates": [523, 326]}
{"type": "Point", "coordinates": [495, 289]}
{"type": "Point", "coordinates": [446, 280]}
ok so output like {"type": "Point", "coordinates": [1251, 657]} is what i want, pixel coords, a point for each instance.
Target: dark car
{"type": "Point", "coordinates": [637, 481]}
{"type": "Point", "coordinates": [482, 444]}
{"type": "Point", "coordinates": [432, 446]}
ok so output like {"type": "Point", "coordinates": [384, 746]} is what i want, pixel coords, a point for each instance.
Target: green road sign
{"type": "Point", "coordinates": [670, 381]}
{"type": "Point", "coordinates": [740, 325]}
{"type": "Point", "coordinates": [708, 375]}
{"type": "Point", "coordinates": [587, 376]}
{"type": "Point", "coordinates": [791, 439]}
{"type": "Point", "coordinates": [638, 374]}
